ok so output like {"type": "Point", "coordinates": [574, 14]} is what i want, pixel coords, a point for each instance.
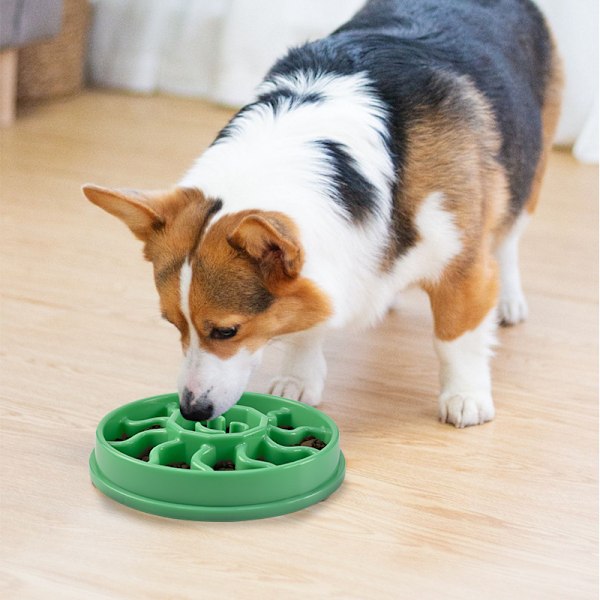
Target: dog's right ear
{"type": "Point", "coordinates": [134, 208]}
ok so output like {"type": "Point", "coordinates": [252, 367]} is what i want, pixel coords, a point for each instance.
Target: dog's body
{"type": "Point", "coordinates": [405, 149]}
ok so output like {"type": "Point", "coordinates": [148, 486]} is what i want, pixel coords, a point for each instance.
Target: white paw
{"type": "Point", "coordinates": [297, 388]}
{"type": "Point", "coordinates": [463, 410]}
{"type": "Point", "coordinates": [512, 309]}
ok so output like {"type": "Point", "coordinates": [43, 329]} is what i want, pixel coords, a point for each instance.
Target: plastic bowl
{"type": "Point", "coordinates": [149, 457]}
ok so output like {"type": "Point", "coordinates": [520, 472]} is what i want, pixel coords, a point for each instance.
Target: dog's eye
{"type": "Point", "coordinates": [223, 333]}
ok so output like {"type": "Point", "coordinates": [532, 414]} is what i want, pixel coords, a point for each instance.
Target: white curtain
{"type": "Point", "coordinates": [221, 49]}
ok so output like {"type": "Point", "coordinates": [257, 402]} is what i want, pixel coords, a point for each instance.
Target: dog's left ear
{"type": "Point", "coordinates": [269, 239]}
{"type": "Point", "coordinates": [135, 209]}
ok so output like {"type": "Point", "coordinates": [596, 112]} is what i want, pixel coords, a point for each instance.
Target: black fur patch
{"type": "Point", "coordinates": [276, 101]}
{"type": "Point", "coordinates": [229, 129]}
{"type": "Point", "coordinates": [280, 98]}
{"type": "Point", "coordinates": [502, 46]}
{"type": "Point", "coordinates": [349, 188]}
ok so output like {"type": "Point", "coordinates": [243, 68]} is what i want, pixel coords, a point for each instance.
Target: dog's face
{"type": "Point", "coordinates": [228, 283]}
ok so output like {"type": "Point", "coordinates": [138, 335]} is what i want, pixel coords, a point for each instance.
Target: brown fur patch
{"type": "Point", "coordinates": [171, 225]}
{"type": "Point", "coordinates": [461, 299]}
{"type": "Point", "coordinates": [185, 213]}
{"type": "Point", "coordinates": [298, 307]}
{"type": "Point", "coordinates": [452, 148]}
{"type": "Point", "coordinates": [468, 288]}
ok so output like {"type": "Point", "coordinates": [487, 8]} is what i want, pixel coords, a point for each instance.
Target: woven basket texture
{"type": "Point", "coordinates": [56, 67]}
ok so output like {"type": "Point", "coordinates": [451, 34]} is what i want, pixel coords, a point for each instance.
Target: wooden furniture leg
{"type": "Point", "coordinates": [8, 86]}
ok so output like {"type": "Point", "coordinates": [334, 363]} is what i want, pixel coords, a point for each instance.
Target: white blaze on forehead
{"type": "Point", "coordinates": [185, 284]}
{"type": "Point", "coordinates": [219, 381]}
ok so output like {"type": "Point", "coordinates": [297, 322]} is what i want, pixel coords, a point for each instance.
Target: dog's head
{"type": "Point", "coordinates": [229, 283]}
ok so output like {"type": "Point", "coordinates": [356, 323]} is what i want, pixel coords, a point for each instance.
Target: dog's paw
{"type": "Point", "coordinates": [512, 309]}
{"type": "Point", "coordinates": [463, 410]}
{"type": "Point", "coordinates": [297, 388]}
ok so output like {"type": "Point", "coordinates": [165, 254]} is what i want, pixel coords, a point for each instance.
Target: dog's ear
{"type": "Point", "coordinates": [270, 240]}
{"type": "Point", "coordinates": [138, 210]}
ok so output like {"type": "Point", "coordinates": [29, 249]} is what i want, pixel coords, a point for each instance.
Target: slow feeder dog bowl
{"type": "Point", "coordinates": [259, 459]}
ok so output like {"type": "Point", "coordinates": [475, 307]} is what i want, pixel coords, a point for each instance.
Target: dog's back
{"type": "Point", "coordinates": [417, 52]}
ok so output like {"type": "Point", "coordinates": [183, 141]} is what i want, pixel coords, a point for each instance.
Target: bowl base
{"type": "Point", "coordinates": [216, 513]}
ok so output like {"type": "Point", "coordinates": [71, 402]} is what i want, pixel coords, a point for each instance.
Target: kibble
{"type": "Point", "coordinates": [224, 465]}
{"type": "Point", "coordinates": [312, 442]}
{"type": "Point", "coordinates": [145, 455]}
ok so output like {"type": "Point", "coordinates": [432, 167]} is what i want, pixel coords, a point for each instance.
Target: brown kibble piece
{"type": "Point", "coordinates": [145, 455]}
{"type": "Point", "coordinates": [312, 442]}
{"type": "Point", "coordinates": [288, 427]}
{"type": "Point", "coordinates": [224, 465]}
{"type": "Point", "coordinates": [153, 427]}
{"type": "Point", "coordinates": [179, 465]}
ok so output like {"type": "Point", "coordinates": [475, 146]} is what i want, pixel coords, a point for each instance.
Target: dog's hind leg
{"type": "Point", "coordinates": [303, 369]}
{"type": "Point", "coordinates": [512, 306]}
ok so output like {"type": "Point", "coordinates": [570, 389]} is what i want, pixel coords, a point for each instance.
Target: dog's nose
{"type": "Point", "coordinates": [194, 410]}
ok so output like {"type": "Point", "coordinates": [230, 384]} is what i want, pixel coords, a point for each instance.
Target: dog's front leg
{"type": "Point", "coordinates": [303, 369]}
{"type": "Point", "coordinates": [463, 305]}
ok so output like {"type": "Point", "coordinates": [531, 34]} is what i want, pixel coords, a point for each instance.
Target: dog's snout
{"type": "Point", "coordinates": [194, 409]}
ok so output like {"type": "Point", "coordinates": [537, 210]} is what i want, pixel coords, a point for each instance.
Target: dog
{"type": "Point", "coordinates": [404, 149]}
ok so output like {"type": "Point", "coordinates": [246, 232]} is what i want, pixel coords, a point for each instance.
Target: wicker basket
{"type": "Point", "coordinates": [56, 67]}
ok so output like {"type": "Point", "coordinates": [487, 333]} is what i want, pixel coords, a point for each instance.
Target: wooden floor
{"type": "Point", "coordinates": [505, 510]}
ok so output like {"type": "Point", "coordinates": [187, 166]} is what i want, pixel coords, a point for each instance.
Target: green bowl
{"type": "Point", "coordinates": [136, 443]}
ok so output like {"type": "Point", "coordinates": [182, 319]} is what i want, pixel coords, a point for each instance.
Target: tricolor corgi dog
{"type": "Point", "coordinates": [405, 149]}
